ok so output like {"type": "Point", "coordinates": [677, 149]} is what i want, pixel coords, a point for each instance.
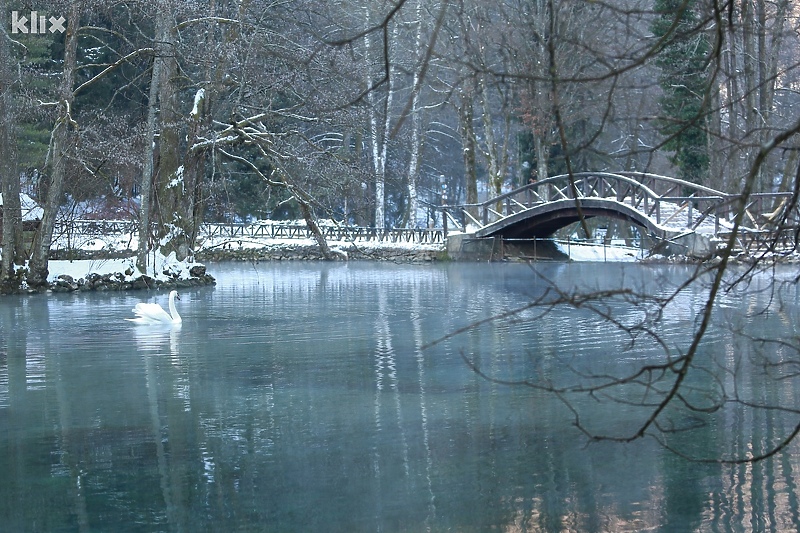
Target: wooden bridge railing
{"type": "Point", "coordinates": [330, 232]}
{"type": "Point", "coordinates": [667, 201]}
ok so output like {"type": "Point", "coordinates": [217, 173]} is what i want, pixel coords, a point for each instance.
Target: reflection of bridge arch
{"type": "Point", "coordinates": [664, 206]}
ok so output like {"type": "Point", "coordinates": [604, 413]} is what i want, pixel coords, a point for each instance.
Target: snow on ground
{"type": "Point", "coordinates": [82, 268]}
{"type": "Point", "coordinates": [127, 242]}
{"type": "Point", "coordinates": [30, 209]}
{"type": "Point", "coordinates": [598, 252]}
{"type": "Point", "coordinates": [122, 242]}
{"type": "Point", "coordinates": [160, 268]}
{"type": "Point", "coordinates": [246, 243]}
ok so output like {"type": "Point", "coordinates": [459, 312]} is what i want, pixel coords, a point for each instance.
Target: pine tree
{"type": "Point", "coordinates": [684, 81]}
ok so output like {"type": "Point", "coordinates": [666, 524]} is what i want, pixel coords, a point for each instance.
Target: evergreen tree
{"type": "Point", "coordinates": [684, 81]}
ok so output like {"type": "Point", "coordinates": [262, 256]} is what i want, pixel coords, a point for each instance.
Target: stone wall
{"type": "Point", "coordinates": [301, 252]}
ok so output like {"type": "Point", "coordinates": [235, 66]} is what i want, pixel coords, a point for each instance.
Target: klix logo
{"type": "Point", "coordinates": [36, 24]}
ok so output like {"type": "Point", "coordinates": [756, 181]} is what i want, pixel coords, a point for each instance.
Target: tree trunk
{"type": "Point", "coordinates": [492, 162]}
{"type": "Point", "coordinates": [302, 199]}
{"type": "Point", "coordinates": [379, 125]}
{"type": "Point", "coordinates": [172, 196]}
{"type": "Point", "coordinates": [200, 119]}
{"type": "Point", "coordinates": [466, 117]}
{"type": "Point", "coordinates": [10, 214]}
{"type": "Point", "coordinates": [751, 89]}
{"type": "Point", "coordinates": [194, 172]}
{"type": "Point", "coordinates": [63, 138]}
{"type": "Point", "coordinates": [416, 119]}
{"type": "Point", "coordinates": [148, 160]}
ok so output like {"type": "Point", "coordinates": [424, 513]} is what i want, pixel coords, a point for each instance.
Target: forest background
{"type": "Point", "coordinates": [174, 112]}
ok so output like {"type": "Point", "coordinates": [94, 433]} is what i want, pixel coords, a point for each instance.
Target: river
{"type": "Point", "coordinates": [356, 397]}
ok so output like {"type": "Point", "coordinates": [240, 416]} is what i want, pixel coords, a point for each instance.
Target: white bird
{"type": "Point", "coordinates": [154, 314]}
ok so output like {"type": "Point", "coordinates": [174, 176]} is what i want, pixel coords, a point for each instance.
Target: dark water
{"type": "Point", "coordinates": [302, 397]}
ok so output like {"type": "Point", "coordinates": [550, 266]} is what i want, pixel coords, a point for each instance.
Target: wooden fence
{"type": "Point", "coordinates": [108, 228]}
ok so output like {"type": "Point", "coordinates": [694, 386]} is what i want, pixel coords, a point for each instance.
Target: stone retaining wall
{"type": "Point", "coordinates": [300, 252]}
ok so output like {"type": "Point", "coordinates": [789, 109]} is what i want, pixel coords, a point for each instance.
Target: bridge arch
{"type": "Point", "coordinates": [663, 206]}
{"type": "Point", "coordinates": [543, 220]}
{"type": "Point", "coordinates": [668, 208]}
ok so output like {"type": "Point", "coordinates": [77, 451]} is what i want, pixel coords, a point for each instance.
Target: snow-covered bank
{"type": "Point", "coordinates": [161, 268]}
{"type": "Point", "coordinates": [83, 263]}
{"type": "Point", "coordinates": [120, 275]}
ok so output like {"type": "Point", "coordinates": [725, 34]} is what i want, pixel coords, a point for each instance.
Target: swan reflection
{"type": "Point", "coordinates": [155, 338]}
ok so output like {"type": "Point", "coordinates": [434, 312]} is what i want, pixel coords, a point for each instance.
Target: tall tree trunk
{"type": "Point", "coordinates": [492, 157]}
{"type": "Point", "coordinates": [466, 126]}
{"type": "Point", "coordinates": [11, 214]}
{"type": "Point", "coordinates": [716, 158]}
{"type": "Point", "coordinates": [162, 179]}
{"type": "Point", "coordinates": [416, 136]}
{"type": "Point", "coordinates": [195, 160]}
{"type": "Point", "coordinates": [148, 159]}
{"type": "Point", "coordinates": [770, 45]}
{"type": "Point", "coordinates": [63, 140]}
{"type": "Point", "coordinates": [750, 61]}
{"type": "Point", "coordinates": [379, 122]}
{"type": "Point", "coordinates": [172, 196]}
{"type": "Point", "coordinates": [734, 110]}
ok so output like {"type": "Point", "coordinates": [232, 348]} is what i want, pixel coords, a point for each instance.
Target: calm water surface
{"type": "Point", "coordinates": [299, 397]}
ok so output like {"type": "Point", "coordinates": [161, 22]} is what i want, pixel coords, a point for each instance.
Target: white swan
{"type": "Point", "coordinates": [153, 314]}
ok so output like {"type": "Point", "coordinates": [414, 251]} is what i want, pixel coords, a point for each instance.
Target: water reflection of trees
{"type": "Point", "coordinates": [735, 406]}
{"type": "Point", "coordinates": [194, 431]}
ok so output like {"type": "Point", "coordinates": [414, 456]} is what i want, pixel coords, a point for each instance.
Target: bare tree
{"type": "Point", "coordinates": [61, 147]}
{"type": "Point", "coordinates": [672, 387]}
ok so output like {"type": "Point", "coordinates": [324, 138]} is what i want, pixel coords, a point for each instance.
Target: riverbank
{"type": "Point", "coordinates": [103, 273]}
{"type": "Point", "coordinates": [113, 269]}
{"type": "Point", "coordinates": [85, 270]}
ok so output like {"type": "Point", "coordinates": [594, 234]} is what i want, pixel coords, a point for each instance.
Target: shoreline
{"type": "Point", "coordinates": [194, 274]}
